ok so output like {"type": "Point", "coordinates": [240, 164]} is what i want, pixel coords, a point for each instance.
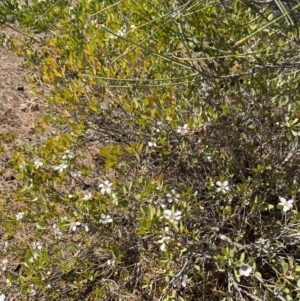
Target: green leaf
{"type": "Point", "coordinates": [285, 266]}
{"type": "Point", "coordinates": [242, 258]}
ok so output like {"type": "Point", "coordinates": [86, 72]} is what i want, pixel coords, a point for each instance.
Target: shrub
{"type": "Point", "coordinates": [165, 165]}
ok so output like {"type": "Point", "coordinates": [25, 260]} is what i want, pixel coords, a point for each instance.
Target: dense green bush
{"type": "Point", "coordinates": [165, 165]}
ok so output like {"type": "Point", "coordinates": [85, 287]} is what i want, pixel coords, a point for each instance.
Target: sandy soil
{"type": "Point", "coordinates": [18, 109]}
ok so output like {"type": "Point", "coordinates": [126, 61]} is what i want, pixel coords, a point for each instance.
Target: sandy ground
{"type": "Point", "coordinates": [18, 109]}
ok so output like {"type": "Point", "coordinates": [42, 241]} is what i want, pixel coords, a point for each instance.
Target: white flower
{"type": "Point", "coordinates": [223, 187]}
{"type": "Point", "coordinates": [172, 216]}
{"type": "Point", "coordinates": [205, 88]}
{"type": "Point", "coordinates": [182, 129]}
{"type": "Point", "coordinates": [207, 158]}
{"type": "Point", "coordinates": [163, 242]}
{"type": "Point", "coordinates": [173, 196]}
{"type": "Point", "coordinates": [37, 245]}
{"type": "Point", "coordinates": [166, 229]}
{"type": "Point", "coordinates": [151, 144]}
{"type": "Point", "coordinates": [33, 291]}
{"type": "Point", "coordinates": [3, 264]}
{"type": "Point", "coordinates": [76, 174]}
{"type": "Point", "coordinates": [121, 32]}
{"type": "Point", "coordinates": [68, 155]}
{"type": "Point", "coordinates": [74, 226]}
{"type": "Point", "coordinates": [184, 281]}
{"type": "Point", "coordinates": [105, 187]}
{"type": "Point", "coordinates": [37, 163]}
{"type": "Point", "coordinates": [115, 200]}
{"type": "Point", "coordinates": [19, 216]}
{"type": "Point", "coordinates": [245, 270]}
{"type": "Point", "coordinates": [111, 262]}
{"type": "Point", "coordinates": [86, 228]}
{"type": "Point", "coordinates": [87, 196]}
{"type": "Point", "coordinates": [94, 22]}
{"type": "Point", "coordinates": [2, 297]}
{"type": "Point", "coordinates": [287, 205]}
{"type": "Point", "coordinates": [61, 167]}
{"type": "Point", "coordinates": [57, 231]}
{"type": "Point", "coordinates": [105, 219]}
{"type": "Point", "coordinates": [158, 128]}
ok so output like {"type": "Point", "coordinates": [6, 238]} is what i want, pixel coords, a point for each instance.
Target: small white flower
{"type": "Point", "coordinates": [61, 167]}
{"type": "Point", "coordinates": [33, 291]}
{"type": "Point", "coordinates": [184, 281]}
{"type": "Point", "coordinates": [95, 23]}
{"type": "Point", "coordinates": [68, 155]}
{"type": "Point", "coordinates": [158, 128]}
{"type": "Point", "coordinates": [37, 245]}
{"type": "Point", "coordinates": [205, 88]}
{"type": "Point", "coordinates": [57, 231]}
{"type": "Point", "coordinates": [207, 158]}
{"type": "Point", "coordinates": [173, 196]}
{"type": "Point", "coordinates": [182, 129]}
{"type": "Point", "coordinates": [19, 216]}
{"type": "Point", "coordinates": [151, 144]}
{"type": "Point", "coordinates": [115, 200]}
{"type": "Point", "coordinates": [2, 297]}
{"type": "Point", "coordinates": [105, 219]}
{"type": "Point", "coordinates": [121, 32]}
{"type": "Point", "coordinates": [245, 270]}
{"type": "Point", "coordinates": [166, 229]}
{"type": "Point", "coordinates": [287, 205]}
{"type": "Point", "coordinates": [223, 187]}
{"type": "Point", "coordinates": [75, 174]}
{"type": "Point", "coordinates": [86, 228]}
{"type": "Point", "coordinates": [3, 264]}
{"type": "Point", "coordinates": [111, 262]}
{"type": "Point", "coordinates": [105, 187]}
{"type": "Point", "coordinates": [74, 226]}
{"type": "Point", "coordinates": [172, 216]}
{"type": "Point", "coordinates": [37, 163]}
{"type": "Point", "coordinates": [163, 242]}
{"type": "Point", "coordinates": [87, 196]}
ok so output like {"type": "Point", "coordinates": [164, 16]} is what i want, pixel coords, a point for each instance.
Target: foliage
{"type": "Point", "coordinates": [167, 155]}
